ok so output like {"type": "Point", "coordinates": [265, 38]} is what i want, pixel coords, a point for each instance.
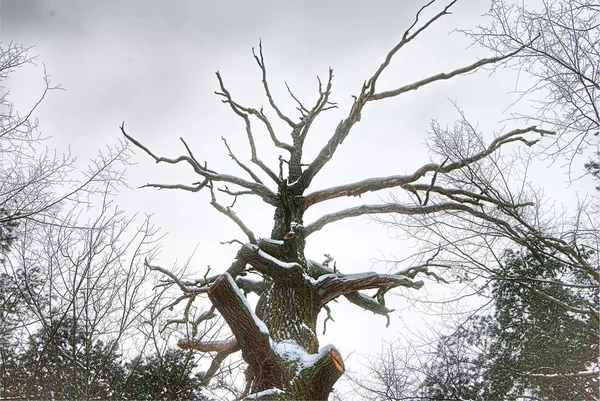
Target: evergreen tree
{"type": "Point", "coordinates": [61, 362]}
{"type": "Point", "coordinates": [529, 345]}
{"type": "Point", "coordinates": [163, 377]}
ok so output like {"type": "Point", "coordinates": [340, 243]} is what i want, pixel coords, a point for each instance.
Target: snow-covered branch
{"type": "Point", "coordinates": [334, 285]}
{"type": "Point", "coordinates": [269, 265]}
{"type": "Point", "coordinates": [383, 208]}
{"type": "Point", "coordinates": [250, 332]}
{"type": "Point", "coordinates": [379, 183]}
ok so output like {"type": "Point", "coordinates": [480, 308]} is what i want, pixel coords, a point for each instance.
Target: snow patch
{"type": "Point", "coordinates": [278, 262]}
{"type": "Point", "coordinates": [291, 351]}
{"type": "Point", "coordinates": [271, 391]}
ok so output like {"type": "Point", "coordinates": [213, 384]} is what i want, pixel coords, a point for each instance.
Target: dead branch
{"type": "Point", "coordinates": [259, 189]}
{"type": "Point", "coordinates": [442, 76]}
{"type": "Point", "coordinates": [239, 163]}
{"type": "Point", "coordinates": [260, 60]}
{"type": "Point", "coordinates": [229, 213]}
{"type": "Point", "coordinates": [406, 38]}
{"type": "Point", "coordinates": [229, 346]}
{"type": "Point", "coordinates": [243, 112]}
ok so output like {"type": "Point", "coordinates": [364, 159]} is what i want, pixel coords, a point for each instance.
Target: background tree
{"type": "Point", "coordinates": [520, 346]}
{"type": "Point", "coordinates": [73, 288]}
{"type": "Point", "coordinates": [559, 42]}
{"type": "Point", "coordinates": [527, 346]}
{"type": "Point", "coordinates": [278, 339]}
{"type": "Point", "coordinates": [548, 286]}
{"type": "Point", "coordinates": [168, 376]}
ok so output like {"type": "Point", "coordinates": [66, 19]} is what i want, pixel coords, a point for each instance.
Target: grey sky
{"type": "Point", "coordinates": [152, 63]}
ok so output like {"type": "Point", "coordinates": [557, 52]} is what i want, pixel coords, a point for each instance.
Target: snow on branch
{"type": "Point", "coordinates": [250, 332]}
{"type": "Point", "coordinates": [316, 373]}
{"type": "Point", "coordinates": [368, 303]}
{"type": "Point", "coordinates": [334, 285]}
{"type": "Point", "coordinates": [230, 345]}
{"type": "Point", "coordinates": [378, 209]}
{"type": "Point", "coordinates": [269, 265]}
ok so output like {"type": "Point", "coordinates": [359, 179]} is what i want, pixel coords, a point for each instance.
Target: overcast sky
{"type": "Point", "coordinates": [152, 64]}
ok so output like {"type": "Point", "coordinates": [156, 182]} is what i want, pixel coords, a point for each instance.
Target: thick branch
{"type": "Point", "coordinates": [325, 372]}
{"type": "Point", "coordinates": [248, 285]}
{"type": "Point", "coordinates": [334, 285]}
{"type": "Point", "coordinates": [229, 346]}
{"type": "Point", "coordinates": [368, 303]}
{"type": "Point", "coordinates": [263, 262]}
{"type": "Point", "coordinates": [378, 209]}
{"type": "Point", "coordinates": [250, 332]}
{"type": "Point", "coordinates": [379, 183]}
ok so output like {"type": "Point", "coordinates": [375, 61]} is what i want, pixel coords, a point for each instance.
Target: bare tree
{"type": "Point", "coordinates": [560, 52]}
{"type": "Point", "coordinates": [90, 298]}
{"type": "Point", "coordinates": [560, 42]}
{"type": "Point", "coordinates": [278, 339]}
{"type": "Point", "coordinates": [74, 288]}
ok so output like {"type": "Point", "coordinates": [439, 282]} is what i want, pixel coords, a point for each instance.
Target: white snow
{"type": "Point", "coordinates": [290, 350]}
{"type": "Point", "coordinates": [271, 391]}
{"type": "Point", "coordinates": [272, 241]}
{"type": "Point", "coordinates": [359, 276]}
{"type": "Point", "coordinates": [278, 262]}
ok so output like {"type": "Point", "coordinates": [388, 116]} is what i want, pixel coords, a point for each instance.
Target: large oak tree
{"type": "Point", "coordinates": [277, 338]}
